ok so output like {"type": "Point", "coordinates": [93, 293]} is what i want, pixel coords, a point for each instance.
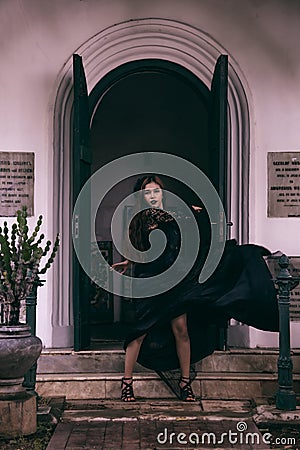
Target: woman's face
{"type": "Point", "coordinates": [153, 195]}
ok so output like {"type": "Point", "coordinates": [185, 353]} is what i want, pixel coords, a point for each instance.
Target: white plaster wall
{"type": "Point", "coordinates": [37, 37]}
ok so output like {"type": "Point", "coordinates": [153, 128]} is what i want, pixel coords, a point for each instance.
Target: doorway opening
{"type": "Point", "coordinates": [142, 106]}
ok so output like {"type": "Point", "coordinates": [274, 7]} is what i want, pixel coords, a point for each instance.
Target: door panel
{"type": "Point", "coordinates": [218, 128]}
{"type": "Point", "coordinates": [218, 148]}
{"type": "Point", "coordinates": [81, 173]}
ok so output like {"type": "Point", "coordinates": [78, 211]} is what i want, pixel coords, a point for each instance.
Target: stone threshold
{"type": "Point", "coordinates": [153, 376]}
{"type": "Point", "coordinates": [233, 351]}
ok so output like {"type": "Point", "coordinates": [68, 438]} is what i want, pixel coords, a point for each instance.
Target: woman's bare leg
{"type": "Point", "coordinates": [132, 353]}
{"type": "Point", "coordinates": [183, 348]}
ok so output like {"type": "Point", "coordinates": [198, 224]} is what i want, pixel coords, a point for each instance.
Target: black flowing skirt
{"type": "Point", "coordinates": [241, 288]}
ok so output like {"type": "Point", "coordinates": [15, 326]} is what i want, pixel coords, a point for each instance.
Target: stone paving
{"type": "Point", "coordinates": [159, 424]}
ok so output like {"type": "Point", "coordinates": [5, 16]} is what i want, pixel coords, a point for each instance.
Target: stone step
{"type": "Point", "coordinates": [236, 373]}
{"type": "Point", "coordinates": [207, 385]}
{"type": "Point", "coordinates": [104, 361]}
{"type": "Point", "coordinates": [155, 409]}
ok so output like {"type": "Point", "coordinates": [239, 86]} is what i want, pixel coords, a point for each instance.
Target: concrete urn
{"type": "Point", "coordinates": [18, 352]}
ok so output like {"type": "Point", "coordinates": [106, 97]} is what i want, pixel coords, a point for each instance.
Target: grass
{"type": "Point", "coordinates": [45, 428]}
{"type": "Point", "coordinates": [36, 441]}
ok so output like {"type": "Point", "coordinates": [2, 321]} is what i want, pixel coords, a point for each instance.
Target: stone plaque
{"type": "Point", "coordinates": [16, 182]}
{"type": "Point", "coordinates": [284, 184]}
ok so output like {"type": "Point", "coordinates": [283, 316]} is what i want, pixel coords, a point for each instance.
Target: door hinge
{"type": "Point", "coordinates": [76, 226]}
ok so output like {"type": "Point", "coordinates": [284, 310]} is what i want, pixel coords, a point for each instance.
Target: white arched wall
{"type": "Point", "coordinates": [129, 41]}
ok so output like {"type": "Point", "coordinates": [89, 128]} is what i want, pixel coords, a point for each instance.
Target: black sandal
{"type": "Point", "coordinates": [186, 391]}
{"type": "Point", "coordinates": [127, 394]}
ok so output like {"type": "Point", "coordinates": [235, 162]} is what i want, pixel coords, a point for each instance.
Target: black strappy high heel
{"type": "Point", "coordinates": [186, 391]}
{"type": "Point", "coordinates": [127, 394]}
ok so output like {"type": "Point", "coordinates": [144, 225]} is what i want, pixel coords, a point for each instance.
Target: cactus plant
{"type": "Point", "coordinates": [20, 261]}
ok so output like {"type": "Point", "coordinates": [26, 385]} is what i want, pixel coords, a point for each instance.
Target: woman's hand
{"type": "Point", "coordinates": [197, 208]}
{"type": "Point", "coordinates": [122, 266]}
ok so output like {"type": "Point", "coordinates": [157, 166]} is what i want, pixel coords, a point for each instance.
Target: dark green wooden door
{"type": "Point", "coordinates": [81, 222]}
{"type": "Point", "coordinates": [218, 149]}
{"type": "Point", "coordinates": [218, 129]}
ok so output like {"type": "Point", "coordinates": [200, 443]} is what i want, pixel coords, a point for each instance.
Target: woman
{"type": "Point", "coordinates": [178, 327]}
{"type": "Point", "coordinates": [139, 231]}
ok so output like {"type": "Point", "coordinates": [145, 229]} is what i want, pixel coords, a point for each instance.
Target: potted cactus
{"type": "Point", "coordinates": [20, 260]}
{"type": "Point", "coordinates": [21, 265]}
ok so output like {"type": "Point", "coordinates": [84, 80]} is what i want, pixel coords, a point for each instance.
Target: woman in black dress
{"type": "Point", "coordinates": [178, 327]}
{"type": "Point", "coordinates": [147, 309]}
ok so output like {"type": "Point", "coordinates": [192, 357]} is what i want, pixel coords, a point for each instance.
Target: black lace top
{"type": "Point", "coordinates": [158, 219]}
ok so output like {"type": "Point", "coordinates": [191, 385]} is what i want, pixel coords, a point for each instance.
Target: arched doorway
{"type": "Point", "coordinates": [148, 38]}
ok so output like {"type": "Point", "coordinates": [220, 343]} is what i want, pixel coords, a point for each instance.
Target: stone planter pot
{"type": "Point", "coordinates": [18, 352]}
